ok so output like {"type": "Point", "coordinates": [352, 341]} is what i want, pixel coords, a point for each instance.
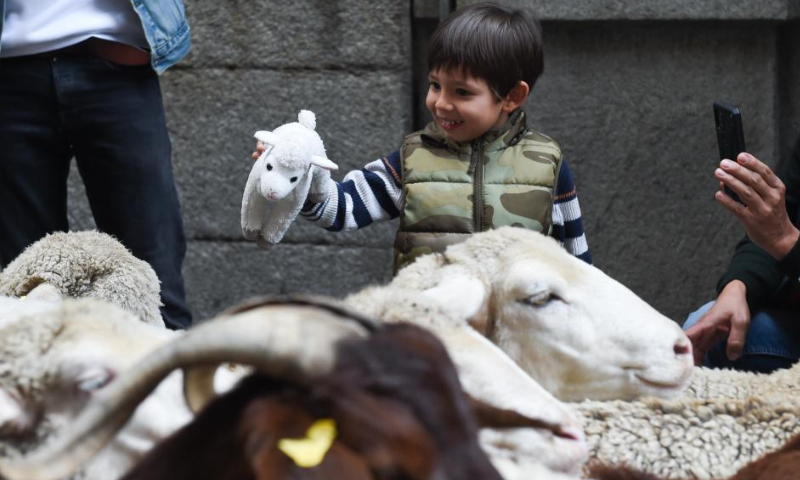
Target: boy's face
{"type": "Point", "coordinates": [464, 106]}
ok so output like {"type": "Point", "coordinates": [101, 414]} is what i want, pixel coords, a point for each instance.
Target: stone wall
{"type": "Point", "coordinates": [627, 91]}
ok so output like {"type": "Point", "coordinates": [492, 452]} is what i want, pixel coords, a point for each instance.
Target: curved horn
{"type": "Point", "coordinates": [294, 341]}
{"type": "Point", "coordinates": [198, 382]}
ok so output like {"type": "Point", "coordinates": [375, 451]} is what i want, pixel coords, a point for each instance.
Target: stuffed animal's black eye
{"type": "Point", "coordinates": [293, 179]}
{"type": "Point", "coordinates": [269, 167]}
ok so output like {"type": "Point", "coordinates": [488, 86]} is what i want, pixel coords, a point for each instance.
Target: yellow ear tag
{"type": "Point", "coordinates": [23, 297]}
{"type": "Point", "coordinates": [309, 451]}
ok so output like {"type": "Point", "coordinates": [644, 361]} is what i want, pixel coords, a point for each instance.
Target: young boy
{"type": "Point", "coordinates": [477, 166]}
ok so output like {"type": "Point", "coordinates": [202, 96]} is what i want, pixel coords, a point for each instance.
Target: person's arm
{"type": "Point", "coordinates": [567, 220]}
{"type": "Point", "coordinates": [372, 194]}
{"type": "Point", "coordinates": [762, 259]}
{"type": "Point", "coordinates": [770, 251]}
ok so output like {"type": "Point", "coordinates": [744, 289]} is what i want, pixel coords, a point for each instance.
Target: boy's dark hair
{"type": "Point", "coordinates": [493, 42]}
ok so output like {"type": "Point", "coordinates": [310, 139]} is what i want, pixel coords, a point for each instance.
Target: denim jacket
{"type": "Point", "coordinates": [165, 28]}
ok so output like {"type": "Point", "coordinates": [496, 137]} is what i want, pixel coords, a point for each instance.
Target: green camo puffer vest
{"type": "Point", "coordinates": [505, 177]}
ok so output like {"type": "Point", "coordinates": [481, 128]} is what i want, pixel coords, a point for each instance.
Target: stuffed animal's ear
{"type": "Point", "coordinates": [323, 162]}
{"type": "Point", "coordinates": [267, 137]}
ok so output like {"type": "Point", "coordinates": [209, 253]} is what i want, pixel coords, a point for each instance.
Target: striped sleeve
{"type": "Point", "coordinates": [372, 194]}
{"type": "Point", "coordinates": [567, 220]}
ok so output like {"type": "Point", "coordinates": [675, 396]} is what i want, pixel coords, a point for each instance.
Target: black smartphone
{"type": "Point", "coordinates": [730, 136]}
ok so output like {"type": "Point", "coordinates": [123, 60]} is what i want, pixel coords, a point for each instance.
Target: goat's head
{"type": "Point", "coordinates": [290, 151]}
{"type": "Point", "coordinates": [296, 342]}
{"type": "Point", "coordinates": [575, 330]}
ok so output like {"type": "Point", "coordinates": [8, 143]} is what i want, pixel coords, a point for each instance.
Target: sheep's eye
{"type": "Point", "coordinates": [94, 379]}
{"type": "Point", "coordinates": [293, 179]}
{"type": "Point", "coordinates": [269, 166]}
{"type": "Point", "coordinates": [540, 299]}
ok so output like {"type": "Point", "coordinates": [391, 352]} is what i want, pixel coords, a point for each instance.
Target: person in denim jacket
{"type": "Point", "coordinates": [79, 78]}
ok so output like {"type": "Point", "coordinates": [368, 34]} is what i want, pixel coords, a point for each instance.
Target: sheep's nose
{"type": "Point", "coordinates": [682, 347]}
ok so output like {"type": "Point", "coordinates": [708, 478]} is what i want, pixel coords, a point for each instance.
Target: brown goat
{"type": "Point", "coordinates": [397, 404]}
{"type": "Point", "coordinates": [782, 464]}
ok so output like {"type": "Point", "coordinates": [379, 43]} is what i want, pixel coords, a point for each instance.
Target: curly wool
{"type": "Point", "coordinates": [23, 348]}
{"type": "Point", "coordinates": [732, 384]}
{"type": "Point", "coordinates": [86, 264]}
{"type": "Point", "coordinates": [687, 438]}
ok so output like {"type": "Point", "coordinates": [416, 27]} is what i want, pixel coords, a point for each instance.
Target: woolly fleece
{"type": "Point", "coordinates": [86, 264]}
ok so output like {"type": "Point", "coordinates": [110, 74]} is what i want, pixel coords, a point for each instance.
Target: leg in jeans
{"type": "Point", "coordinates": [34, 157]}
{"type": "Point", "coordinates": [114, 118]}
{"type": "Point", "coordinates": [772, 342]}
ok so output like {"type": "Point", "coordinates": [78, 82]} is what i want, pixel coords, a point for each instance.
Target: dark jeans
{"type": "Point", "coordinates": [772, 341]}
{"type": "Point", "coordinates": [111, 119]}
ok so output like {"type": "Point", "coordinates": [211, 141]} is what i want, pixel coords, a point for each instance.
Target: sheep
{"type": "Point", "coordinates": [577, 332]}
{"type": "Point", "coordinates": [730, 418]}
{"type": "Point", "coordinates": [86, 264]}
{"type": "Point", "coordinates": [779, 465]}
{"type": "Point", "coordinates": [698, 438]}
{"type": "Point", "coordinates": [294, 341]}
{"type": "Point", "coordinates": [42, 298]}
{"type": "Point", "coordinates": [732, 384]}
{"type": "Point", "coordinates": [55, 361]}
{"type": "Point", "coordinates": [292, 167]}
{"type": "Point", "coordinates": [489, 375]}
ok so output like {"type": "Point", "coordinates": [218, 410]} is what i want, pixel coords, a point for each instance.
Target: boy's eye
{"type": "Point", "coordinates": [462, 92]}
{"type": "Point", "coordinates": [435, 86]}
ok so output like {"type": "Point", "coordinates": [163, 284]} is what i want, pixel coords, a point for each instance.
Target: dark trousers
{"type": "Point", "coordinates": [110, 118]}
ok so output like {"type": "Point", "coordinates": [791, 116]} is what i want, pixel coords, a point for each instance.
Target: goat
{"type": "Point", "coordinates": [381, 393]}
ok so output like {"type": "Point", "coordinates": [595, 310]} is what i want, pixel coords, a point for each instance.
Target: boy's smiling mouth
{"type": "Point", "coordinates": [449, 124]}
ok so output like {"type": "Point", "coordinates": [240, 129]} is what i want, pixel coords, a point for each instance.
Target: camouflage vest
{"type": "Point", "coordinates": [505, 177]}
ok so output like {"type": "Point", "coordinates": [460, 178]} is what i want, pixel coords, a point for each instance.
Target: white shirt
{"type": "Point", "coordinates": [36, 26]}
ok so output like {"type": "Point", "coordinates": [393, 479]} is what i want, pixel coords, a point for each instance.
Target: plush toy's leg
{"type": "Point", "coordinates": [254, 206]}
{"type": "Point", "coordinates": [264, 244]}
{"type": "Point", "coordinates": [320, 184]}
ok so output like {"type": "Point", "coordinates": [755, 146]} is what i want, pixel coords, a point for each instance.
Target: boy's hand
{"type": "Point", "coordinates": [763, 214]}
{"type": "Point", "coordinates": [260, 147]}
{"type": "Point", "coordinates": [730, 316]}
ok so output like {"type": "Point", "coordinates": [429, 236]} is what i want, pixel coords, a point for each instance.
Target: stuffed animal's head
{"type": "Point", "coordinates": [291, 150]}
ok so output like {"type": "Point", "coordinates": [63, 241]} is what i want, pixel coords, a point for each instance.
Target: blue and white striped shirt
{"type": "Point", "coordinates": [375, 194]}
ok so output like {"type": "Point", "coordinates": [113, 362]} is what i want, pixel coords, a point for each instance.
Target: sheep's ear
{"type": "Point", "coordinates": [267, 137]}
{"type": "Point", "coordinates": [46, 292]}
{"type": "Point", "coordinates": [14, 417]}
{"type": "Point", "coordinates": [458, 290]}
{"type": "Point", "coordinates": [323, 162]}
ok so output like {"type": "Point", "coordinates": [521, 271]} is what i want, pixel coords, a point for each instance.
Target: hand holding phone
{"type": "Point", "coordinates": [730, 136]}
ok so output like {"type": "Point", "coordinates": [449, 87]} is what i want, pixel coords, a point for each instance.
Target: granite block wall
{"type": "Point", "coordinates": [627, 91]}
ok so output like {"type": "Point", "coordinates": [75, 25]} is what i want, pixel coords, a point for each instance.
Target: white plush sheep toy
{"type": "Point", "coordinates": [292, 168]}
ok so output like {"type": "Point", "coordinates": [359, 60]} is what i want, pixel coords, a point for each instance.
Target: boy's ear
{"type": "Point", "coordinates": [516, 97]}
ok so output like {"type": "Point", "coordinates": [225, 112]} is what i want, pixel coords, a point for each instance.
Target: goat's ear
{"type": "Point", "coordinates": [489, 416]}
{"type": "Point", "coordinates": [267, 137]}
{"type": "Point", "coordinates": [323, 162]}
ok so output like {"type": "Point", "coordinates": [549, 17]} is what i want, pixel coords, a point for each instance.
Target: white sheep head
{"type": "Point", "coordinates": [292, 167]}
{"type": "Point", "coordinates": [574, 329]}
